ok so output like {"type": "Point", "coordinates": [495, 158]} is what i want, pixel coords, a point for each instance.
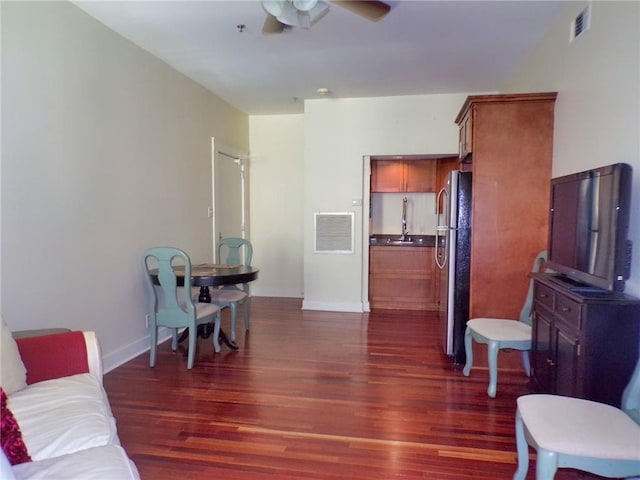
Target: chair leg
{"type": "Point", "coordinates": [245, 312]}
{"type": "Point", "coordinates": [191, 356]}
{"type": "Point", "coordinates": [546, 465]}
{"type": "Point", "coordinates": [523, 450]}
{"type": "Point", "coordinates": [493, 368]}
{"type": "Point", "coordinates": [216, 333]}
{"type": "Point", "coordinates": [234, 309]}
{"type": "Point", "coordinates": [154, 346]}
{"type": "Point", "coordinates": [526, 363]}
{"type": "Point", "coordinates": [174, 339]}
{"type": "Point", "coordinates": [468, 350]}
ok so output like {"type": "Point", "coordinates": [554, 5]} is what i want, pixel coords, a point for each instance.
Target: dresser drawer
{"type": "Point", "coordinates": [543, 295]}
{"type": "Point", "coordinates": [568, 311]}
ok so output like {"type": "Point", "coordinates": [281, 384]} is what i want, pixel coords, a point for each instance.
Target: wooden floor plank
{"type": "Point", "coordinates": [317, 395]}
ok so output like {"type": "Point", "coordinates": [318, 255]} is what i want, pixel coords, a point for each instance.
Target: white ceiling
{"type": "Point", "coordinates": [420, 47]}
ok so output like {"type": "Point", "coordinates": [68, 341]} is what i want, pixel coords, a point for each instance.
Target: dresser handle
{"type": "Point", "coordinates": [543, 295]}
{"type": "Point", "coordinates": [550, 362]}
{"type": "Point", "coordinates": [565, 309]}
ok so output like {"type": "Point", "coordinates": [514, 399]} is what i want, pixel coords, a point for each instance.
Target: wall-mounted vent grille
{"type": "Point", "coordinates": [334, 232]}
{"type": "Point", "coordinates": [581, 23]}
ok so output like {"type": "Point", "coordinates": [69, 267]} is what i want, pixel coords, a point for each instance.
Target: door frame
{"type": "Point", "coordinates": [366, 225]}
{"type": "Point", "coordinates": [219, 148]}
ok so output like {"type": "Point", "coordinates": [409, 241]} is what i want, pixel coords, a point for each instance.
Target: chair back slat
{"type": "Point", "coordinates": [525, 313]}
{"type": "Point", "coordinates": [234, 251]}
{"type": "Point", "coordinates": [168, 302]}
{"type": "Point", "coordinates": [631, 395]}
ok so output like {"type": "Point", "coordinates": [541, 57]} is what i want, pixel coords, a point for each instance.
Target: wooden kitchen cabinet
{"type": "Point", "coordinates": [584, 345]}
{"type": "Point", "coordinates": [444, 166]}
{"type": "Point", "coordinates": [508, 142]}
{"type": "Point", "coordinates": [402, 278]}
{"type": "Point", "coordinates": [399, 176]}
{"type": "Point", "coordinates": [465, 138]}
{"type": "Point", "coordinates": [420, 175]}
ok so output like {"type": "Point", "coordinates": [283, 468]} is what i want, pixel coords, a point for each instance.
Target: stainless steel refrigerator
{"type": "Point", "coordinates": [453, 257]}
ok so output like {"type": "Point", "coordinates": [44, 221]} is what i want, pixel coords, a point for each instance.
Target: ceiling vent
{"type": "Point", "coordinates": [581, 23]}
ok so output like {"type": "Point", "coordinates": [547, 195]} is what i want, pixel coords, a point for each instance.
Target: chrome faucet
{"type": "Point", "coordinates": [405, 233]}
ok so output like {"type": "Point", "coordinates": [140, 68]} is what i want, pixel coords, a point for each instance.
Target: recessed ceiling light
{"type": "Point", "coordinates": [323, 91]}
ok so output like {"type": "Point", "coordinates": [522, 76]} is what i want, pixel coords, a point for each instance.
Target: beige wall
{"type": "Point", "coordinates": [94, 130]}
{"type": "Point", "coordinates": [597, 115]}
{"type": "Point", "coordinates": [106, 151]}
{"type": "Point", "coordinates": [276, 180]}
{"type": "Point", "coordinates": [338, 135]}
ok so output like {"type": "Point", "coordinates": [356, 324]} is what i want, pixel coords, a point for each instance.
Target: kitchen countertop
{"type": "Point", "coordinates": [394, 240]}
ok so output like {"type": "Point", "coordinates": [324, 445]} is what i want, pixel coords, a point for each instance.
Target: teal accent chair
{"type": "Point", "coordinates": [168, 304]}
{"type": "Point", "coordinates": [500, 333]}
{"type": "Point", "coordinates": [233, 251]}
{"type": "Point", "coordinates": [575, 433]}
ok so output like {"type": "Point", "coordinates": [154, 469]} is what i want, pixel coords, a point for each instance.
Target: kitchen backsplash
{"type": "Point", "coordinates": [386, 213]}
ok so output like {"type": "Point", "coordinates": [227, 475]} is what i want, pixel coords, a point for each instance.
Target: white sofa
{"type": "Point", "coordinates": [54, 391]}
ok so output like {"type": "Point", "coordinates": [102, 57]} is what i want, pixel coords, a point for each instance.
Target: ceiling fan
{"type": "Point", "coordinates": [282, 14]}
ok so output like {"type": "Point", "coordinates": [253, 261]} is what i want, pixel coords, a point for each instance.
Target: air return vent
{"type": "Point", "coordinates": [581, 23]}
{"type": "Point", "coordinates": [333, 232]}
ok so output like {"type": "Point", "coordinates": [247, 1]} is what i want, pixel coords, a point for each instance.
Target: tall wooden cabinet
{"type": "Point", "coordinates": [506, 142]}
{"type": "Point", "coordinates": [584, 345]}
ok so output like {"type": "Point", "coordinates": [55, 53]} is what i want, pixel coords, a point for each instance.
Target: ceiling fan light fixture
{"type": "Point", "coordinates": [318, 11]}
{"type": "Point", "coordinates": [273, 7]}
{"type": "Point", "coordinates": [289, 15]}
{"type": "Point", "coordinates": [296, 13]}
{"type": "Point", "coordinates": [304, 5]}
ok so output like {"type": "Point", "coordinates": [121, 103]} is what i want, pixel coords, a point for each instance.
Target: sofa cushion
{"type": "Point", "coordinates": [66, 355]}
{"type": "Point", "coordinates": [99, 463]}
{"type": "Point", "coordinates": [10, 436]}
{"type": "Point", "coordinates": [63, 416]}
{"type": "Point", "coordinates": [13, 374]}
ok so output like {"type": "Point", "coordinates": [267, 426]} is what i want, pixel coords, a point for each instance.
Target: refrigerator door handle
{"type": "Point", "coordinates": [444, 195]}
{"type": "Point", "coordinates": [443, 191]}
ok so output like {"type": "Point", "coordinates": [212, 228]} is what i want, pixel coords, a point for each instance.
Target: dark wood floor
{"type": "Point", "coordinates": [317, 395]}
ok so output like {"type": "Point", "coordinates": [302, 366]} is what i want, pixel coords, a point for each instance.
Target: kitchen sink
{"type": "Point", "coordinates": [417, 240]}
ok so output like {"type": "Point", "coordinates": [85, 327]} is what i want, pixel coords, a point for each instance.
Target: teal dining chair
{"type": "Point", "coordinates": [169, 306]}
{"type": "Point", "coordinates": [233, 251]}
{"type": "Point", "coordinates": [580, 434]}
{"type": "Point", "coordinates": [501, 333]}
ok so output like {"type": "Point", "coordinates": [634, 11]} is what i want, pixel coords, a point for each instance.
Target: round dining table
{"type": "Point", "coordinates": [206, 275]}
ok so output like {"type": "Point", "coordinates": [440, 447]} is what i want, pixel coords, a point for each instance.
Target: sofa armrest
{"type": "Point", "coordinates": [60, 355]}
{"type": "Point", "coordinates": [38, 332]}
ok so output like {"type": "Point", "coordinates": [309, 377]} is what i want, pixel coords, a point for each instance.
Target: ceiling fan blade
{"type": "Point", "coordinates": [369, 9]}
{"type": "Point", "coordinates": [272, 25]}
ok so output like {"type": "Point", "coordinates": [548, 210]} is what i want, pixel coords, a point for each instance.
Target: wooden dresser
{"type": "Point", "coordinates": [584, 345]}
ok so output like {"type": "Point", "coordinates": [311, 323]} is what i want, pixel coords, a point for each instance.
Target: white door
{"type": "Point", "coordinates": [230, 193]}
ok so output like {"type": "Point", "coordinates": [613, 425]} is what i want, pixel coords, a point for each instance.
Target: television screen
{"type": "Point", "coordinates": [589, 222]}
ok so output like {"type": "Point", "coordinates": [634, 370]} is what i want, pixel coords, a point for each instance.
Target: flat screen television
{"type": "Point", "coordinates": [588, 228]}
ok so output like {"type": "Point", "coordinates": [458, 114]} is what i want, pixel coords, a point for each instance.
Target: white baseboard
{"type": "Point", "coordinates": [132, 350]}
{"type": "Point", "coordinates": [333, 307]}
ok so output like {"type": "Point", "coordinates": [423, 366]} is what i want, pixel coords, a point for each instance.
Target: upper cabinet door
{"type": "Point", "coordinates": [398, 176]}
{"type": "Point", "coordinates": [466, 134]}
{"type": "Point", "coordinates": [420, 175]}
{"type": "Point", "coordinates": [387, 176]}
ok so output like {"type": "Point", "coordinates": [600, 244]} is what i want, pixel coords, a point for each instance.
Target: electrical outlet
{"type": "Point", "coordinates": [146, 320]}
